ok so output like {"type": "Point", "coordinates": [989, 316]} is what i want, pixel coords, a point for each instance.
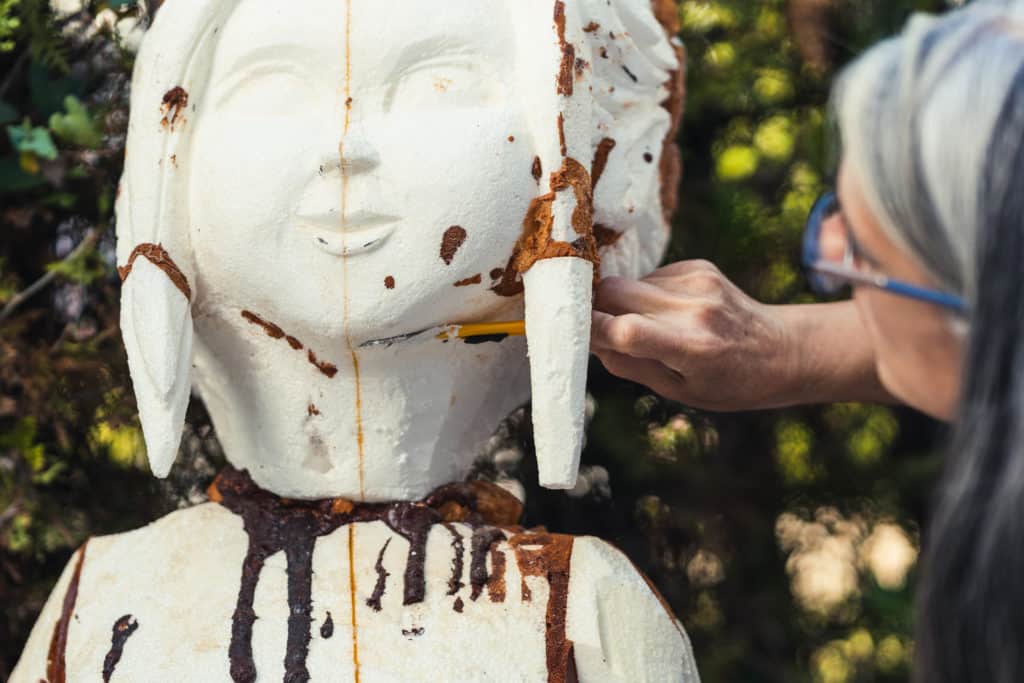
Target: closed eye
{"type": "Point", "coordinates": [444, 83]}
{"type": "Point", "coordinates": [265, 89]}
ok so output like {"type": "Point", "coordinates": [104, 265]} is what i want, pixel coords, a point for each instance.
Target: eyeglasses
{"type": "Point", "coordinates": [828, 275]}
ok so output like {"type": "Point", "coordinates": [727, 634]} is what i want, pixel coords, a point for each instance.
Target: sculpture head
{"type": "Point", "coordinates": [354, 171]}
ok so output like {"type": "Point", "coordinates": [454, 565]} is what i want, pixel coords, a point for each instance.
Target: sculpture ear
{"type": "Point", "coordinates": [558, 294]}
{"type": "Point", "coordinates": [558, 285]}
{"type": "Point", "coordinates": [156, 322]}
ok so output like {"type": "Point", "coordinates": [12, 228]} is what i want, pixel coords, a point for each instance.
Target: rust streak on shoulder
{"type": "Point", "coordinates": [158, 256]}
{"type": "Point", "coordinates": [56, 671]}
{"type": "Point", "coordinates": [549, 556]}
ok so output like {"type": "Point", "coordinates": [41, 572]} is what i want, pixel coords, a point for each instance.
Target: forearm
{"type": "Point", "coordinates": [831, 355]}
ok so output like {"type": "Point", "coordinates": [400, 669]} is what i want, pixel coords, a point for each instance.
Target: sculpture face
{"type": "Point", "coordinates": [358, 221]}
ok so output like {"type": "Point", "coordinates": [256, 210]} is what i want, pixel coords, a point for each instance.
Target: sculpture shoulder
{"type": "Point", "coordinates": [621, 628]}
{"type": "Point", "coordinates": [173, 566]}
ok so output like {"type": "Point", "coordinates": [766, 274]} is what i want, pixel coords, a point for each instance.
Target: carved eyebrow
{"type": "Point", "coordinates": [283, 54]}
{"type": "Point", "coordinates": [225, 85]}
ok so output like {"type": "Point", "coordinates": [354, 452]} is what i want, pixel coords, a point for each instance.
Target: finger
{"type": "Point", "coordinates": [650, 373]}
{"type": "Point", "coordinates": [684, 268]}
{"type": "Point", "coordinates": [633, 335]}
{"type": "Point", "coordinates": [620, 296]}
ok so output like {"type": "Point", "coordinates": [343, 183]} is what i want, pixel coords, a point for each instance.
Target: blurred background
{"type": "Point", "coordinates": [786, 541]}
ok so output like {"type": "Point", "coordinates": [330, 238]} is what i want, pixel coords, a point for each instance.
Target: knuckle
{"type": "Point", "coordinates": [624, 332]}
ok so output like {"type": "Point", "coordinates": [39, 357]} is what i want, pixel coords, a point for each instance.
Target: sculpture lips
{"type": "Point", "coordinates": [361, 232]}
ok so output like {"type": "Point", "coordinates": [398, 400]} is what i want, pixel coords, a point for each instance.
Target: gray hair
{"type": "Point", "coordinates": [933, 128]}
{"type": "Point", "coordinates": [921, 118]}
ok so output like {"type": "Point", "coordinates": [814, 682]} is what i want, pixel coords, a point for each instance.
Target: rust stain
{"type": "Point", "coordinates": [455, 582]}
{"type": "Point", "coordinates": [360, 438]}
{"type": "Point", "coordinates": [458, 605]}
{"type": "Point", "coordinates": [605, 236]}
{"type": "Point", "coordinates": [496, 273]}
{"type": "Point", "coordinates": [275, 524]}
{"type": "Point", "coordinates": [272, 330]}
{"type": "Point", "coordinates": [56, 666]}
{"type": "Point", "coordinates": [120, 633]}
{"type": "Point", "coordinates": [452, 239]}
{"type": "Point", "coordinates": [496, 581]}
{"type": "Point", "coordinates": [548, 556]}
{"type": "Point", "coordinates": [474, 280]}
{"type": "Point", "coordinates": [312, 410]}
{"type": "Point", "coordinates": [565, 70]}
{"type": "Point", "coordinates": [536, 171]}
{"type": "Point", "coordinates": [561, 134]}
{"type": "Point", "coordinates": [158, 256]}
{"type": "Point", "coordinates": [511, 138]}
{"type": "Point", "coordinates": [389, 282]}
{"type": "Point", "coordinates": [604, 148]}
{"type": "Point", "coordinates": [358, 388]}
{"type": "Point", "coordinates": [670, 166]}
{"type": "Point", "coordinates": [174, 160]}
{"type": "Point", "coordinates": [373, 602]}
{"type": "Point", "coordinates": [591, 27]}
{"type": "Point", "coordinates": [275, 332]}
{"type": "Point", "coordinates": [173, 105]}
{"type": "Point", "coordinates": [352, 599]}
{"type": "Point", "coordinates": [536, 242]}
{"type": "Point", "coordinates": [648, 157]}
{"type": "Point", "coordinates": [581, 66]}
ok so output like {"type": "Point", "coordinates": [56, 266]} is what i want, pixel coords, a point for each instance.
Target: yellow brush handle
{"type": "Point", "coordinates": [515, 328]}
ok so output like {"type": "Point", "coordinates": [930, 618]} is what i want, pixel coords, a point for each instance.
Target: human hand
{"type": "Point", "coordinates": [692, 336]}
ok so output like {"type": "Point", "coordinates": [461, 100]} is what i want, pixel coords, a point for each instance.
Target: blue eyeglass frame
{"type": "Point", "coordinates": [828, 278]}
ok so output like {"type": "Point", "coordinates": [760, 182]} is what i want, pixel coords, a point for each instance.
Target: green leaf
{"type": "Point", "coordinates": [83, 269]}
{"type": "Point", "coordinates": [77, 125]}
{"type": "Point", "coordinates": [34, 140]}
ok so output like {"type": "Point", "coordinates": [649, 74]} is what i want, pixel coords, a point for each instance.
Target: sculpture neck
{"type": "Point", "coordinates": [312, 417]}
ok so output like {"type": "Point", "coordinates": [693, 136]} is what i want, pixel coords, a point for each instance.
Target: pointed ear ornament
{"type": "Point", "coordinates": [559, 262]}
{"type": "Point", "coordinates": [153, 248]}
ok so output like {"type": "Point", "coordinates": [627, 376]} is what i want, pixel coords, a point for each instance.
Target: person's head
{"type": "Point", "coordinates": [932, 185]}
{"type": "Point", "coordinates": [350, 170]}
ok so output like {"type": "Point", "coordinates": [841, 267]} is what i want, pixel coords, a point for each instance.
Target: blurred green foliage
{"type": "Point", "coordinates": [785, 541]}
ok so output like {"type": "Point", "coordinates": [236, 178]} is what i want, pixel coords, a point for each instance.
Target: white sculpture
{"type": "Point", "coordinates": [311, 193]}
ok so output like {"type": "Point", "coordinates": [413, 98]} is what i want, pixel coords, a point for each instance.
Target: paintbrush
{"type": "Point", "coordinates": [471, 333]}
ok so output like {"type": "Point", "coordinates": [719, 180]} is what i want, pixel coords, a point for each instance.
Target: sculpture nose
{"type": "Point", "coordinates": [355, 153]}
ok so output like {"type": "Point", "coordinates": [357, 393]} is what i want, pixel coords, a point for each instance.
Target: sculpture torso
{"type": "Point", "coordinates": [400, 596]}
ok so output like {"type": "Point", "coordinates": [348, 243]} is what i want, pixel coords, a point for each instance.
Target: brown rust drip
{"type": "Point", "coordinates": [122, 630]}
{"type": "Point", "coordinates": [56, 667]}
{"type": "Point", "coordinates": [482, 541]}
{"type": "Point", "coordinates": [565, 77]}
{"type": "Point", "coordinates": [455, 583]}
{"type": "Point", "coordinates": [536, 170]}
{"type": "Point", "coordinates": [452, 239]}
{"type": "Point", "coordinates": [561, 135]}
{"type": "Point", "coordinates": [475, 280]}
{"type": "Point", "coordinates": [373, 602]}
{"type": "Point", "coordinates": [158, 256]}
{"type": "Point", "coordinates": [327, 628]}
{"type": "Point", "coordinates": [549, 556]}
{"type": "Point", "coordinates": [604, 148]}
{"type": "Point", "coordinates": [275, 524]}
{"type": "Point", "coordinates": [496, 581]}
